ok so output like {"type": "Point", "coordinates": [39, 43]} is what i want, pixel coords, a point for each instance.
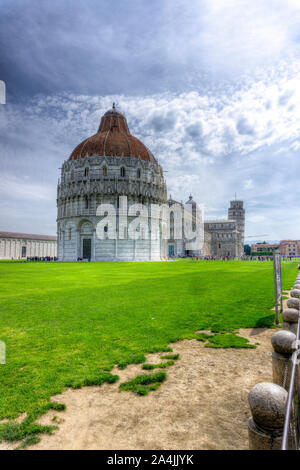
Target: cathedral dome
{"type": "Point", "coordinates": [191, 201]}
{"type": "Point", "coordinates": [113, 138]}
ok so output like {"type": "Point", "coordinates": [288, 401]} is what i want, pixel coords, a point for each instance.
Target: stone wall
{"type": "Point", "coordinates": [88, 182]}
{"type": "Point", "coordinates": [12, 248]}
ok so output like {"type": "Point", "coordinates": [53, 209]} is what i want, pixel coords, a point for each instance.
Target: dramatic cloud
{"type": "Point", "coordinates": [211, 87]}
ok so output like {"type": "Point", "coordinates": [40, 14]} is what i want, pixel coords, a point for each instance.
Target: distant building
{"type": "Point", "coordinates": [290, 247]}
{"type": "Point", "coordinates": [285, 247]}
{"type": "Point", "coordinates": [22, 245]}
{"type": "Point", "coordinates": [270, 247]}
{"type": "Point", "coordinates": [227, 235]}
{"type": "Point", "coordinates": [222, 237]}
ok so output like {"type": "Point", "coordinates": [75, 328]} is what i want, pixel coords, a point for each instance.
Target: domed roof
{"type": "Point", "coordinates": [113, 138]}
{"type": "Point", "coordinates": [191, 201]}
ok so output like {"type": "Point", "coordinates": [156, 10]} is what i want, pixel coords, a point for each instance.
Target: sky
{"type": "Point", "coordinates": [212, 87]}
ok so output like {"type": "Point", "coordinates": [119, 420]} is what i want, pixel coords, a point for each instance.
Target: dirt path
{"type": "Point", "coordinates": [202, 405]}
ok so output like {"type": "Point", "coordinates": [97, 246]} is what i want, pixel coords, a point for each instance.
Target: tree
{"type": "Point", "coordinates": [247, 250]}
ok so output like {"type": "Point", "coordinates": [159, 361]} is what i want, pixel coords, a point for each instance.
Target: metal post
{"type": "Point", "coordinates": [280, 280]}
{"type": "Point", "coordinates": [295, 362]}
{"type": "Point", "coordinates": [275, 289]}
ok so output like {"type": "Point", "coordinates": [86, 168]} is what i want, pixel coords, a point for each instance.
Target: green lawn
{"type": "Point", "coordinates": [68, 323]}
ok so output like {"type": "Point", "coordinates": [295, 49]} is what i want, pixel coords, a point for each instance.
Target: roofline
{"type": "Point", "coordinates": [28, 236]}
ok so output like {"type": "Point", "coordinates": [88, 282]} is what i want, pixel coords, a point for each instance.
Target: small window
{"type": "Point", "coordinates": [70, 233]}
{"type": "Point", "coordinates": [86, 202]}
{"type": "Point", "coordinates": [106, 229]}
{"type": "Point", "coordinates": [104, 171]}
{"type": "Point", "coordinates": [138, 173]}
{"type": "Point", "coordinates": [122, 172]}
{"type": "Point", "coordinates": [86, 172]}
{"type": "Point", "coordinates": [23, 251]}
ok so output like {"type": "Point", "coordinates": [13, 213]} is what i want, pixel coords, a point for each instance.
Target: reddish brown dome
{"type": "Point", "coordinates": [112, 138]}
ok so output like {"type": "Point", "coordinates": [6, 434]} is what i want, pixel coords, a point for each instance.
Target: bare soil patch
{"type": "Point", "coordinates": [203, 404]}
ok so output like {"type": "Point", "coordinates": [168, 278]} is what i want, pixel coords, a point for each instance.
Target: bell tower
{"type": "Point", "coordinates": [236, 212]}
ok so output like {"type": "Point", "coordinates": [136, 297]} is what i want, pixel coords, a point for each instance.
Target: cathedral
{"type": "Point", "coordinates": [109, 167]}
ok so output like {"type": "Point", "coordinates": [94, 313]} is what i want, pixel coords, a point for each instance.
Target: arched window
{"type": "Point", "coordinates": [122, 172]}
{"type": "Point", "coordinates": [86, 202]}
{"type": "Point", "coordinates": [86, 172]}
{"type": "Point", "coordinates": [138, 173]}
{"type": "Point", "coordinates": [70, 233]}
{"type": "Point", "coordinates": [104, 171]}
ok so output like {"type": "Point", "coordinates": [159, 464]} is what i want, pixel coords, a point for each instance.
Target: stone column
{"type": "Point", "coordinates": [290, 319]}
{"type": "Point", "coordinates": [283, 343]}
{"type": "Point", "coordinates": [93, 258]}
{"type": "Point", "coordinates": [78, 244]}
{"type": "Point", "coordinates": [62, 244]}
{"type": "Point", "coordinates": [293, 303]}
{"type": "Point", "coordinates": [267, 403]}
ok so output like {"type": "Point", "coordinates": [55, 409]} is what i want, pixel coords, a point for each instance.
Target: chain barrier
{"type": "Point", "coordinates": [285, 373]}
{"type": "Point", "coordinates": [269, 432]}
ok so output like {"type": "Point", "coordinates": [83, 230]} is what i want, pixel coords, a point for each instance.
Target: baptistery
{"type": "Point", "coordinates": [110, 176]}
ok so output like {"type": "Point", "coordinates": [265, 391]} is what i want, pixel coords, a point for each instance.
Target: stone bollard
{"type": "Point", "coordinates": [283, 343]}
{"type": "Point", "coordinates": [293, 303]}
{"type": "Point", "coordinates": [267, 403]}
{"type": "Point", "coordinates": [295, 293]}
{"type": "Point", "coordinates": [290, 319]}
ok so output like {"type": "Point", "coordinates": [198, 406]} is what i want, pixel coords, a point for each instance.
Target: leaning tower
{"type": "Point", "coordinates": [110, 164]}
{"type": "Point", "coordinates": [236, 212]}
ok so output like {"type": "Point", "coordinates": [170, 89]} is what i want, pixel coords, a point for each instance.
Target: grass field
{"type": "Point", "coordinates": [69, 323]}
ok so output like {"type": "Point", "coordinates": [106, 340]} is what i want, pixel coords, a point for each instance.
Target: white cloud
{"type": "Point", "coordinates": [17, 188]}
{"type": "Point", "coordinates": [258, 113]}
{"type": "Point", "coordinates": [241, 35]}
{"type": "Point", "coordinates": [238, 139]}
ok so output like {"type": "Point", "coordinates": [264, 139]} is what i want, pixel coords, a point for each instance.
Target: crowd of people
{"type": "Point", "coordinates": [266, 258]}
{"type": "Point", "coordinates": [194, 258]}
{"type": "Point", "coordinates": [228, 258]}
